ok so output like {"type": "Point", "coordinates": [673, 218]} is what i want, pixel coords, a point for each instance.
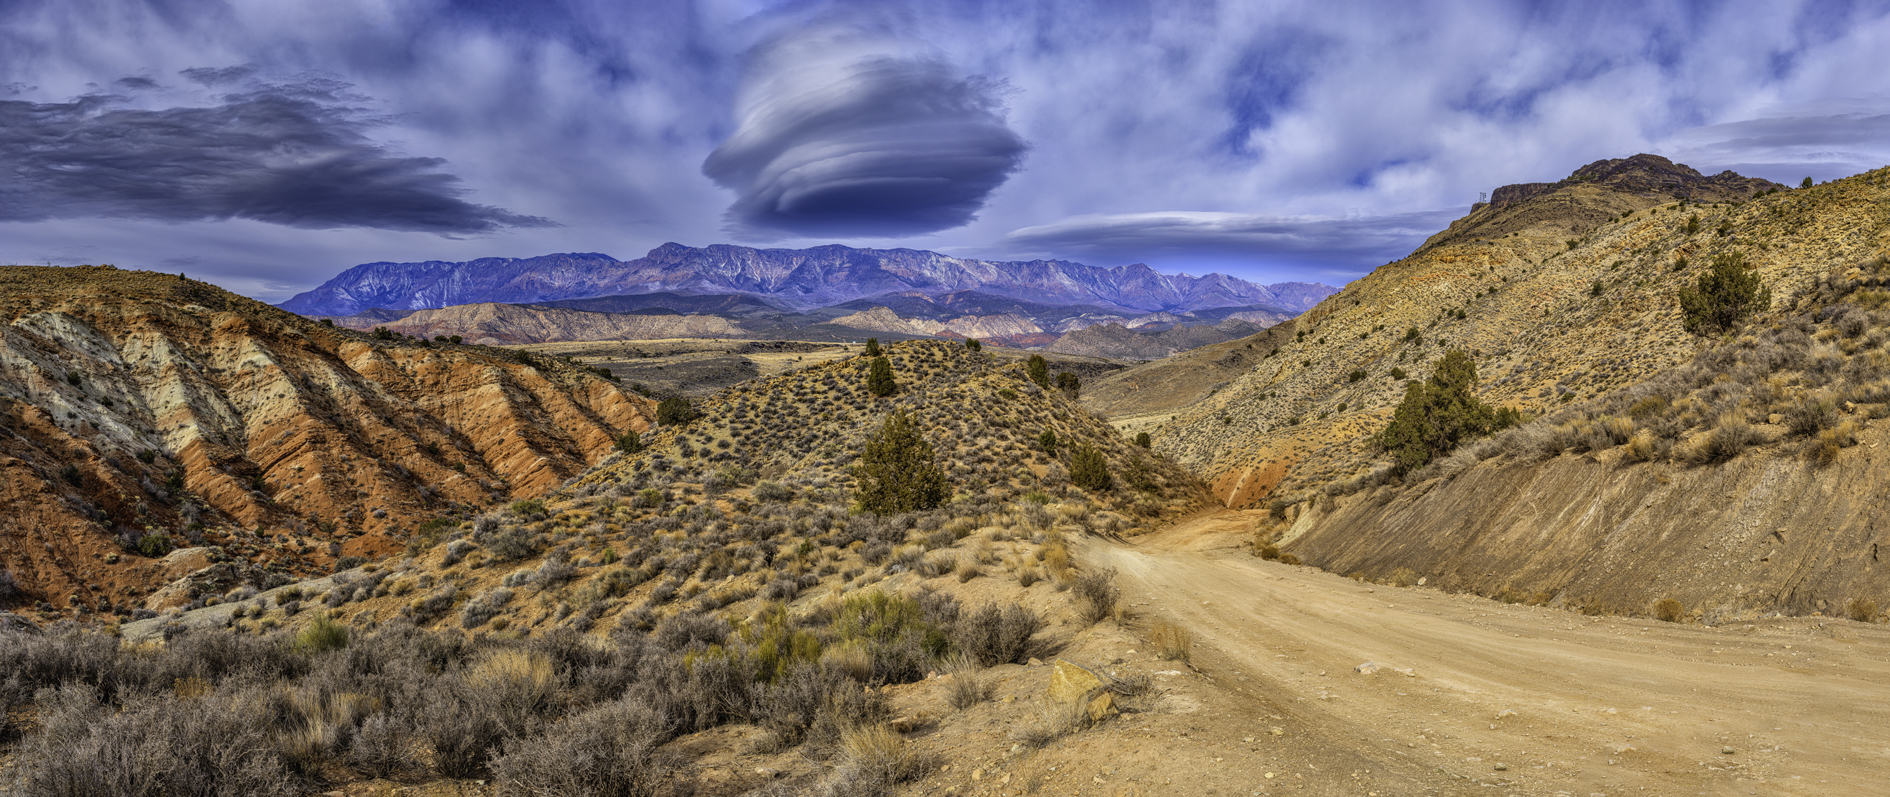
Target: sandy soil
{"type": "Point", "coordinates": [1474, 696]}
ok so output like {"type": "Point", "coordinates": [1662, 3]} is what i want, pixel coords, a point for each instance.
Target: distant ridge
{"type": "Point", "coordinates": [796, 279]}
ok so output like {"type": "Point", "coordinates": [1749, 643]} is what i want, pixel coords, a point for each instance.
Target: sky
{"type": "Point", "coordinates": [267, 146]}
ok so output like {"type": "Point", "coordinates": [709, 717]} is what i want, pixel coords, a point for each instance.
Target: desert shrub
{"type": "Point", "coordinates": [1070, 384]}
{"type": "Point", "coordinates": [1171, 641]}
{"type": "Point", "coordinates": [1142, 439]}
{"type": "Point", "coordinates": [1404, 577]}
{"type": "Point", "coordinates": [459, 727]}
{"type": "Point", "coordinates": [1810, 415]}
{"type": "Point", "coordinates": [511, 543]}
{"type": "Point", "coordinates": [155, 544]}
{"type": "Point", "coordinates": [1028, 574]}
{"type": "Point", "coordinates": [965, 689]}
{"type": "Point", "coordinates": [874, 760]}
{"type": "Point", "coordinates": [996, 635]}
{"type": "Point", "coordinates": [872, 347]}
{"type": "Point", "coordinates": [630, 442]}
{"type": "Point", "coordinates": [772, 491]}
{"type": "Point", "coordinates": [1863, 610]}
{"type": "Point", "coordinates": [455, 551]}
{"type": "Point", "coordinates": [484, 607]}
{"type": "Point", "coordinates": [899, 471]}
{"type": "Point", "coordinates": [894, 630]}
{"type": "Point", "coordinates": [1726, 295]}
{"type": "Point", "coordinates": [1096, 594]}
{"type": "Point", "coordinates": [1048, 442]}
{"type": "Point", "coordinates": [1729, 437]}
{"type": "Point", "coordinates": [322, 634]}
{"type": "Point", "coordinates": [1288, 559]}
{"type": "Point", "coordinates": [690, 630]}
{"type": "Point", "coordinates": [1669, 610]}
{"type": "Point", "coordinates": [968, 569]}
{"type": "Point", "coordinates": [972, 344]}
{"type": "Point", "coordinates": [434, 606]}
{"type": "Point", "coordinates": [1437, 415]}
{"type": "Point", "coordinates": [216, 743]}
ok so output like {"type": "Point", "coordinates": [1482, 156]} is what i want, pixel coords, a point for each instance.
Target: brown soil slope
{"type": "Point", "coordinates": [137, 403]}
{"type": "Point", "coordinates": [1565, 295]}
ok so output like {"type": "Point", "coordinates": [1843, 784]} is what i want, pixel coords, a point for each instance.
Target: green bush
{"type": "Point", "coordinates": [872, 347]}
{"type": "Point", "coordinates": [899, 471]}
{"type": "Point", "coordinates": [973, 344]}
{"type": "Point", "coordinates": [1693, 224]}
{"type": "Point", "coordinates": [1089, 471]}
{"type": "Point", "coordinates": [1436, 416]}
{"type": "Point", "coordinates": [1142, 439]}
{"type": "Point", "coordinates": [1039, 370]}
{"type": "Point", "coordinates": [155, 544]}
{"type": "Point", "coordinates": [630, 442]}
{"type": "Point", "coordinates": [675, 411]}
{"type": "Point", "coordinates": [1048, 441]}
{"type": "Point", "coordinates": [1727, 294]}
{"type": "Point", "coordinates": [454, 338]}
{"type": "Point", "coordinates": [1069, 383]}
{"type": "Point", "coordinates": [879, 378]}
{"type": "Point", "coordinates": [383, 333]}
{"type": "Point", "coordinates": [1355, 376]}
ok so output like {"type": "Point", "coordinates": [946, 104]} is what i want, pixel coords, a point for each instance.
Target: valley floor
{"type": "Point", "coordinates": [1565, 704]}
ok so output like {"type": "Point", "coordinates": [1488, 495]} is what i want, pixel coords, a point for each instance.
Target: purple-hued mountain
{"type": "Point", "coordinates": [795, 279]}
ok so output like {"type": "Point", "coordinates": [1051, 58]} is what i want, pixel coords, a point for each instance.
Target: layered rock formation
{"type": "Point", "coordinates": [138, 405]}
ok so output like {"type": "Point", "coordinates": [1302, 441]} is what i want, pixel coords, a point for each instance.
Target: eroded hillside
{"type": "Point", "coordinates": [146, 411]}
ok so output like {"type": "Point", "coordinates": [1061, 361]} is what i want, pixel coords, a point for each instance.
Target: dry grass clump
{"type": "Point", "coordinates": [1669, 610]}
{"type": "Point", "coordinates": [1863, 610]}
{"type": "Point", "coordinates": [964, 688]}
{"type": "Point", "coordinates": [1055, 721]}
{"type": "Point", "coordinates": [874, 760]}
{"type": "Point", "coordinates": [1172, 642]}
{"type": "Point", "coordinates": [1096, 594]}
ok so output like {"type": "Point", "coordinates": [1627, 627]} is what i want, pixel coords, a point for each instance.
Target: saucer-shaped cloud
{"type": "Point", "coordinates": [846, 134]}
{"type": "Point", "coordinates": [296, 155]}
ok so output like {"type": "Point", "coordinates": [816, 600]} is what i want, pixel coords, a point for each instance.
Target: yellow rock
{"type": "Point", "coordinates": [1070, 683]}
{"type": "Point", "coordinates": [1103, 707]}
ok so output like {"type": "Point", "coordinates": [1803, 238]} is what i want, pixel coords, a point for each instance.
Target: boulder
{"type": "Point", "coordinates": [1073, 683]}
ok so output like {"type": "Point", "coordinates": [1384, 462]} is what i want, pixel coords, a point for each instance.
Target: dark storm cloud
{"type": "Point", "coordinates": [842, 135]}
{"type": "Point", "coordinates": [217, 75]}
{"type": "Point", "coordinates": [295, 155]}
{"type": "Point", "coordinates": [1179, 235]}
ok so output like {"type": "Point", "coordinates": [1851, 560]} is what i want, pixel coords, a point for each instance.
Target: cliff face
{"type": "Point", "coordinates": [802, 279]}
{"type": "Point", "coordinates": [138, 404]}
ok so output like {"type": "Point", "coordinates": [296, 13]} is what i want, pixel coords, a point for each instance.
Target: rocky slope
{"type": "Point", "coordinates": [507, 324]}
{"type": "Point", "coordinates": [802, 279]}
{"type": "Point", "coordinates": [138, 405]}
{"type": "Point", "coordinates": [1567, 292]}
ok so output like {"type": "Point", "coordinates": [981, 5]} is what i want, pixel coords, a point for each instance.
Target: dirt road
{"type": "Point", "coordinates": [1510, 699]}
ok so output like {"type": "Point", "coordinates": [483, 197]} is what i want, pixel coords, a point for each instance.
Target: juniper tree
{"type": "Point", "coordinates": [675, 411]}
{"type": "Point", "coordinates": [1039, 370]}
{"type": "Point", "coordinates": [1727, 294]}
{"type": "Point", "coordinates": [899, 471]}
{"type": "Point", "coordinates": [1437, 415]}
{"type": "Point", "coordinates": [879, 378]}
{"type": "Point", "coordinates": [1089, 470]}
{"type": "Point", "coordinates": [872, 347]}
{"type": "Point", "coordinates": [1048, 440]}
{"type": "Point", "coordinates": [1069, 383]}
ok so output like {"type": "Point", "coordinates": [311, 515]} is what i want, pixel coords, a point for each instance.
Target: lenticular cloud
{"type": "Point", "coordinates": [842, 133]}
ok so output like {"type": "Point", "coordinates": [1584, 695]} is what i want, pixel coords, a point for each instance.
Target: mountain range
{"type": "Point", "coordinates": [793, 280]}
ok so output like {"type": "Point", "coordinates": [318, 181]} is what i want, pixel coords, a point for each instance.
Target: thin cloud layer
{"type": "Point", "coordinates": [294, 155]}
{"type": "Point", "coordinates": [1185, 236]}
{"type": "Point", "coordinates": [843, 134]}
